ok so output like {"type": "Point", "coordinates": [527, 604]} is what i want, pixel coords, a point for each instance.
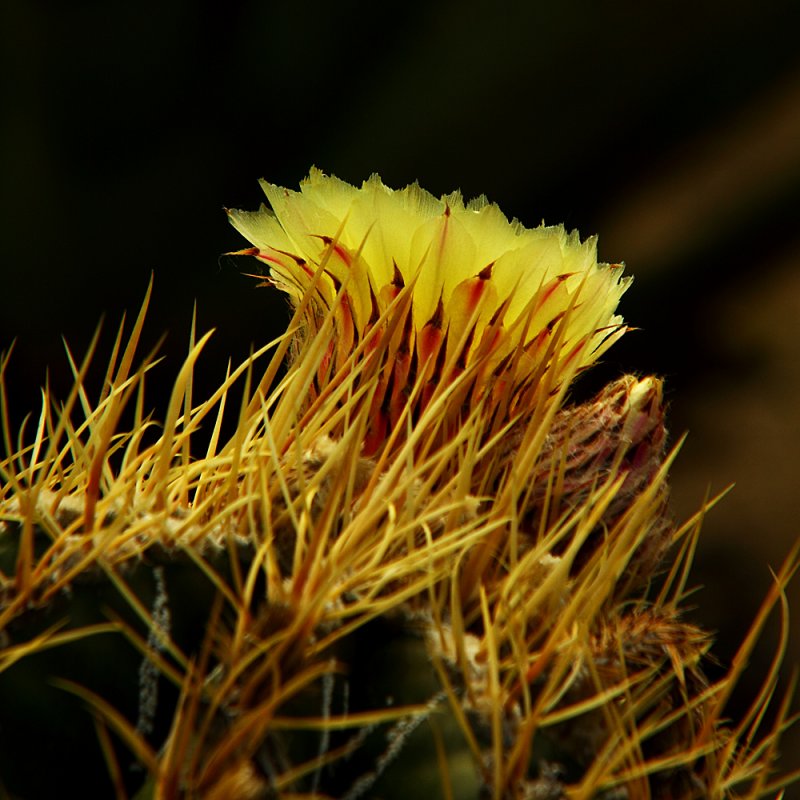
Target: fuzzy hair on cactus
{"type": "Point", "coordinates": [416, 566]}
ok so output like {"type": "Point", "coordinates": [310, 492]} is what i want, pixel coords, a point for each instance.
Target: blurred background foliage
{"type": "Point", "coordinates": [671, 129]}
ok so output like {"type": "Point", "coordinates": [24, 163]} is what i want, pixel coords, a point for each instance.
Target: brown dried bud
{"type": "Point", "coordinates": [619, 432]}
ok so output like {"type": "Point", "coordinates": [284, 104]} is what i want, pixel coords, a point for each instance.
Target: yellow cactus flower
{"type": "Point", "coordinates": [467, 293]}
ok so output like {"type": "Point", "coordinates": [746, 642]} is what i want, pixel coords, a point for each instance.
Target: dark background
{"type": "Point", "coordinates": [671, 129]}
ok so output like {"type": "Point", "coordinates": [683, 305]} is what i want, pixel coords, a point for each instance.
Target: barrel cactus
{"type": "Point", "coordinates": [414, 566]}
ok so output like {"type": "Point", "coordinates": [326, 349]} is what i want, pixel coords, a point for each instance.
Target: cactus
{"type": "Point", "coordinates": [414, 567]}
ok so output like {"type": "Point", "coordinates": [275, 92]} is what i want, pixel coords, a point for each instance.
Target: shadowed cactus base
{"type": "Point", "coordinates": [415, 567]}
